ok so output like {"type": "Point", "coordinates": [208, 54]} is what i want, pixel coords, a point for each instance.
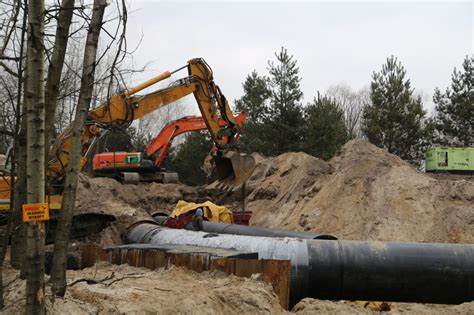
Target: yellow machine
{"type": "Point", "coordinates": [123, 108]}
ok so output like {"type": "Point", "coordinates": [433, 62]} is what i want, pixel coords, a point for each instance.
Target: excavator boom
{"type": "Point", "coordinates": [123, 108]}
{"type": "Point", "coordinates": [162, 142]}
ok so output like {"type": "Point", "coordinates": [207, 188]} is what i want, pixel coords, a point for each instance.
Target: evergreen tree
{"type": "Point", "coordinates": [394, 119]}
{"type": "Point", "coordinates": [285, 115]}
{"type": "Point", "coordinates": [256, 95]}
{"type": "Point", "coordinates": [189, 158]}
{"type": "Point", "coordinates": [325, 128]}
{"type": "Point", "coordinates": [454, 120]}
{"type": "Point", "coordinates": [255, 103]}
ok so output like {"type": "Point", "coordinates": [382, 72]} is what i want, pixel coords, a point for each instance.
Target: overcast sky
{"type": "Point", "coordinates": [333, 42]}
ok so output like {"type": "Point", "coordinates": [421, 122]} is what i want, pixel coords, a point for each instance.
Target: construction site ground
{"type": "Point", "coordinates": [363, 193]}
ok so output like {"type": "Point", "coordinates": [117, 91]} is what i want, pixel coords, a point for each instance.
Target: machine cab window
{"type": "Point", "coordinates": [443, 158]}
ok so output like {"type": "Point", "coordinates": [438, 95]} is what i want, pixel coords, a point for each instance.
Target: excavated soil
{"type": "Point", "coordinates": [312, 306]}
{"type": "Point", "coordinates": [112, 289]}
{"type": "Point", "coordinates": [127, 203]}
{"type": "Point", "coordinates": [364, 193]}
{"type": "Point", "coordinates": [122, 289]}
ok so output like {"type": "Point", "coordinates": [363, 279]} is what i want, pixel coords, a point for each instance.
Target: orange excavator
{"type": "Point", "coordinates": [131, 167]}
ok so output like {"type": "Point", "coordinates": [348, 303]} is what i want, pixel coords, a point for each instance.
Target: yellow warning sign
{"type": "Point", "coordinates": [35, 212]}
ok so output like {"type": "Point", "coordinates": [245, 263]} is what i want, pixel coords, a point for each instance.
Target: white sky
{"type": "Point", "coordinates": [333, 42]}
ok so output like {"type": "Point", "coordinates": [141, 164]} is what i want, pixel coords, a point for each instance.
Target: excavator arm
{"type": "Point", "coordinates": [125, 107]}
{"type": "Point", "coordinates": [161, 144]}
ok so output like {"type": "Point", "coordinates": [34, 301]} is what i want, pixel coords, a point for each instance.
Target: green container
{"type": "Point", "coordinates": [452, 160]}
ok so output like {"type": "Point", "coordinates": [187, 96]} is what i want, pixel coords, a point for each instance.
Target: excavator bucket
{"type": "Point", "coordinates": [234, 167]}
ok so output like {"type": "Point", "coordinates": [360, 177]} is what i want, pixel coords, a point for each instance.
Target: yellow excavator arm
{"type": "Point", "coordinates": [125, 107]}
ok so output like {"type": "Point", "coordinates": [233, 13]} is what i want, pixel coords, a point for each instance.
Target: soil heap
{"type": "Point", "coordinates": [364, 193]}
{"type": "Point", "coordinates": [127, 203]}
{"type": "Point", "coordinates": [112, 289]}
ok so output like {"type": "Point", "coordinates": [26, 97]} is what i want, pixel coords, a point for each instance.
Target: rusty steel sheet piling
{"type": "Point", "coordinates": [197, 258]}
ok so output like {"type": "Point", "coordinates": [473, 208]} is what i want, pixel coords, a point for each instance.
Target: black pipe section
{"type": "Point", "coordinates": [350, 270]}
{"type": "Point", "coordinates": [237, 229]}
{"type": "Point", "coordinates": [387, 271]}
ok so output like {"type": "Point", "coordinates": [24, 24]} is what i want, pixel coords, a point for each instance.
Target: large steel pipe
{"type": "Point", "coordinates": [353, 270]}
{"type": "Point", "coordinates": [237, 229]}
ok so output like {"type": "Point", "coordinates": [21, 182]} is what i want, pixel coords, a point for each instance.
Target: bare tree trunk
{"type": "Point", "coordinates": [18, 242]}
{"type": "Point", "coordinates": [13, 172]}
{"type": "Point", "coordinates": [35, 233]}
{"type": "Point", "coordinates": [56, 67]}
{"type": "Point", "coordinates": [58, 273]}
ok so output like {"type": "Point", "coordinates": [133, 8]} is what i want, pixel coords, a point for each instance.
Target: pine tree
{"type": "Point", "coordinates": [255, 103]}
{"type": "Point", "coordinates": [454, 120]}
{"type": "Point", "coordinates": [285, 119]}
{"type": "Point", "coordinates": [395, 119]}
{"type": "Point", "coordinates": [189, 158]}
{"type": "Point", "coordinates": [325, 128]}
{"type": "Point", "coordinates": [256, 95]}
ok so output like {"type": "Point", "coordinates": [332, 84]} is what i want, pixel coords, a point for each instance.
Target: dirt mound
{"type": "Point", "coordinates": [148, 197]}
{"type": "Point", "coordinates": [280, 183]}
{"type": "Point", "coordinates": [127, 203]}
{"type": "Point", "coordinates": [312, 306]}
{"type": "Point", "coordinates": [125, 290]}
{"type": "Point", "coordinates": [364, 193]}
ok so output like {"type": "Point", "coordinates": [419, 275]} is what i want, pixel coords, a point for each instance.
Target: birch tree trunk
{"type": "Point", "coordinates": [55, 68]}
{"type": "Point", "coordinates": [58, 272]}
{"type": "Point", "coordinates": [35, 167]}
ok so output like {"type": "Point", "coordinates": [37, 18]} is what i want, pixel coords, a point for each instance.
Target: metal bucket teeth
{"type": "Point", "coordinates": [234, 167]}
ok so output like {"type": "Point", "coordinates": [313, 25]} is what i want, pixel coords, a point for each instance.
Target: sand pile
{"type": "Point", "coordinates": [127, 203]}
{"type": "Point", "coordinates": [279, 184]}
{"type": "Point", "coordinates": [112, 289]}
{"type": "Point", "coordinates": [97, 193]}
{"type": "Point", "coordinates": [364, 193]}
{"type": "Point", "coordinates": [312, 306]}
{"type": "Point", "coordinates": [125, 290]}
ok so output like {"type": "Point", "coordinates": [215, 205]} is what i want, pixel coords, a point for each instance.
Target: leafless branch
{"type": "Point", "coordinates": [8, 70]}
